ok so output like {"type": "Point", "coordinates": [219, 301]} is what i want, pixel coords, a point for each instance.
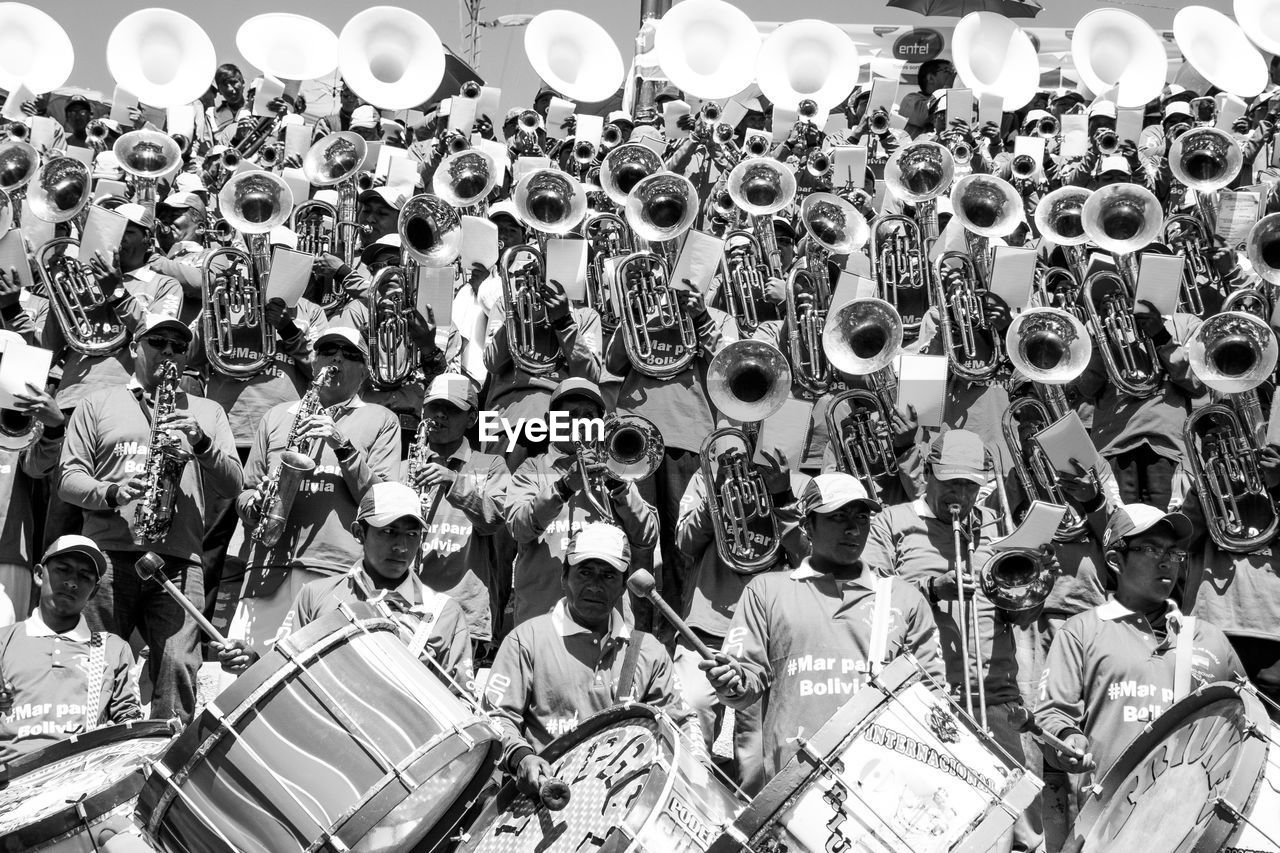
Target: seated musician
{"type": "Point", "coordinates": [828, 610]}
{"type": "Point", "coordinates": [58, 677]}
{"type": "Point", "coordinates": [1115, 668]}
{"type": "Point", "coordinates": [389, 527]}
{"type": "Point", "coordinates": [555, 670]}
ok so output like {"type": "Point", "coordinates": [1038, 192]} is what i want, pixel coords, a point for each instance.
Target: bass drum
{"type": "Point", "coordinates": [61, 798]}
{"type": "Point", "coordinates": [897, 769]}
{"type": "Point", "coordinates": [634, 786]}
{"type": "Point", "coordinates": [338, 739]}
{"type": "Point", "coordinates": [1204, 776]}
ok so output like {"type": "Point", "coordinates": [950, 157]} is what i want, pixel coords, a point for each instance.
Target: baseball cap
{"type": "Point", "coordinates": [384, 503]}
{"type": "Point", "coordinates": [186, 200]}
{"type": "Point", "coordinates": [385, 243]}
{"type": "Point", "coordinates": [1114, 163]}
{"type": "Point", "coordinates": [157, 322]}
{"type": "Point", "coordinates": [452, 388]}
{"type": "Point", "coordinates": [343, 335]}
{"type": "Point", "coordinates": [1177, 108]}
{"type": "Point", "coordinates": [600, 541]}
{"type": "Point", "coordinates": [1102, 108]}
{"type": "Point", "coordinates": [77, 101]}
{"type": "Point", "coordinates": [393, 196]}
{"type": "Point", "coordinates": [189, 182]}
{"type": "Point", "coordinates": [365, 116]}
{"type": "Point", "coordinates": [958, 454]}
{"type": "Point", "coordinates": [137, 214]}
{"type": "Point", "coordinates": [580, 387]}
{"type": "Point", "coordinates": [1132, 519]}
{"type": "Point", "coordinates": [75, 544]}
{"type": "Point", "coordinates": [505, 207]}
{"type": "Point", "coordinates": [827, 493]}
{"type": "Point", "coordinates": [1035, 116]}
{"type": "Point", "coordinates": [619, 116]}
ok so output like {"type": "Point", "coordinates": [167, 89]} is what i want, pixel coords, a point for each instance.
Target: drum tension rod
{"type": "Point", "coordinates": [1238, 815]}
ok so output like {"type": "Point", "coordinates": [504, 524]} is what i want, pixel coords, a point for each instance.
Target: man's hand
{"type": "Point", "coordinates": [997, 311]}
{"type": "Point", "coordinates": [556, 301]}
{"type": "Point", "coordinates": [1148, 319]}
{"type": "Point", "coordinates": [322, 427]}
{"type": "Point", "coordinates": [326, 265]}
{"type": "Point", "coordinates": [106, 270]}
{"type": "Point", "coordinates": [530, 773]}
{"type": "Point", "coordinates": [234, 657]}
{"type": "Point", "coordinates": [10, 287]}
{"type": "Point", "coordinates": [131, 490]}
{"type": "Point", "coordinates": [724, 673]}
{"type": "Point", "coordinates": [477, 275]}
{"type": "Point", "coordinates": [1082, 484]}
{"type": "Point", "coordinates": [433, 474]}
{"type": "Point", "coordinates": [1073, 763]}
{"type": "Point", "coordinates": [693, 304]}
{"type": "Point", "coordinates": [38, 403]}
{"type": "Point", "coordinates": [573, 479]}
{"type": "Point", "coordinates": [422, 330]}
{"type": "Point", "coordinates": [276, 313]}
{"type": "Point", "coordinates": [6, 696]}
{"type": "Point", "coordinates": [903, 426]}
{"type": "Point", "coordinates": [946, 588]}
{"type": "Point", "coordinates": [183, 421]}
{"type": "Point", "coordinates": [775, 471]}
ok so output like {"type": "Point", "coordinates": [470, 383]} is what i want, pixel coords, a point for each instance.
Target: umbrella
{"type": "Point", "coordinates": [960, 8]}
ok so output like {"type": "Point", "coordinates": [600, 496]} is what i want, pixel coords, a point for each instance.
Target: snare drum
{"type": "Point", "coordinates": [338, 739]}
{"type": "Point", "coordinates": [1203, 776]}
{"type": "Point", "coordinates": [896, 769]}
{"type": "Point", "coordinates": [633, 786]}
{"type": "Point", "coordinates": [54, 800]}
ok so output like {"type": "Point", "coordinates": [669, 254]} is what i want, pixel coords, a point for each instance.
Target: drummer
{"type": "Point", "coordinates": [389, 525]}
{"type": "Point", "coordinates": [809, 639]}
{"type": "Point", "coordinates": [556, 669]}
{"type": "Point", "coordinates": [52, 662]}
{"type": "Point", "coordinates": [1115, 668]}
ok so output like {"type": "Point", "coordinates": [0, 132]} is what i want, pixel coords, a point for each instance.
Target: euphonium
{"type": "Point", "coordinates": [917, 174]}
{"type": "Point", "coordinates": [744, 272]}
{"type": "Point", "coordinates": [465, 179]}
{"type": "Point", "coordinates": [832, 227]}
{"type": "Point", "coordinates": [624, 167]}
{"type": "Point", "coordinates": [1262, 248]}
{"type": "Point", "coordinates": [233, 283]}
{"type": "Point", "coordinates": [863, 339]}
{"type": "Point", "coordinates": [1051, 348]}
{"type": "Point", "coordinates": [334, 161]}
{"type": "Point", "coordinates": [60, 191]}
{"type": "Point", "coordinates": [1122, 219]}
{"type": "Point", "coordinates": [147, 155]}
{"type": "Point", "coordinates": [630, 450]}
{"type": "Point", "coordinates": [1233, 353]}
{"type": "Point", "coordinates": [900, 264]}
{"type": "Point", "coordinates": [296, 462]}
{"type": "Point", "coordinates": [1060, 219]}
{"type": "Point", "coordinates": [971, 342]}
{"type": "Point", "coordinates": [534, 346]}
{"type": "Point", "coordinates": [313, 222]}
{"type": "Point", "coordinates": [658, 332]}
{"type": "Point", "coordinates": [163, 467]}
{"type": "Point", "coordinates": [747, 381]}
{"type": "Point", "coordinates": [610, 240]}
{"type": "Point", "coordinates": [1129, 357]}
{"type": "Point", "coordinates": [1189, 237]}
{"type": "Point", "coordinates": [430, 236]}
{"type": "Point", "coordinates": [1059, 288]}
{"type": "Point", "coordinates": [762, 186]}
{"type": "Point", "coordinates": [987, 206]}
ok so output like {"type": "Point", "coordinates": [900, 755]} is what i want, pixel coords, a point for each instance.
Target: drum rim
{"type": "Point", "coordinates": [98, 804]}
{"type": "Point", "coordinates": [1251, 766]}
{"type": "Point", "coordinates": [785, 788]}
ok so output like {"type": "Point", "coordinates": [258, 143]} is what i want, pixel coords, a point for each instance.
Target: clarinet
{"type": "Point", "coordinates": [419, 456]}
{"type": "Point", "coordinates": [165, 461]}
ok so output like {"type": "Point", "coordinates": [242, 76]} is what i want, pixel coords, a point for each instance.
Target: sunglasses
{"type": "Point", "coordinates": [349, 353]}
{"type": "Point", "coordinates": [165, 344]}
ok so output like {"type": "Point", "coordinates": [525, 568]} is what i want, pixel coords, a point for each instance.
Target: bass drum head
{"type": "Point", "coordinates": [633, 786]}
{"type": "Point", "coordinates": [1161, 793]}
{"type": "Point", "coordinates": [101, 770]}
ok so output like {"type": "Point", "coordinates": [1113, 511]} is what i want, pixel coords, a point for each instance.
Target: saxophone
{"type": "Point", "coordinates": [165, 461]}
{"type": "Point", "coordinates": [295, 463]}
{"type": "Point", "coordinates": [419, 455]}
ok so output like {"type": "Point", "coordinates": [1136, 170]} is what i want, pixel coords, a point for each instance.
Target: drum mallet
{"type": "Point", "coordinates": [1024, 722]}
{"type": "Point", "coordinates": [151, 565]}
{"type": "Point", "coordinates": [554, 793]}
{"type": "Point", "coordinates": [642, 584]}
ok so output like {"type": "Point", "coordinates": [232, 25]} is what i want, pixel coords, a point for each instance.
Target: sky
{"type": "Point", "coordinates": [502, 58]}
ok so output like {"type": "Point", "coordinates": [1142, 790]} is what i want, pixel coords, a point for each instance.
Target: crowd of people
{"type": "Point", "coordinates": [508, 564]}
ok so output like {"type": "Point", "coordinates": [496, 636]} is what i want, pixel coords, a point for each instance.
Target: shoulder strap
{"type": "Point", "coordinates": [93, 707]}
{"type": "Point", "coordinates": [878, 650]}
{"type": "Point", "coordinates": [627, 677]}
{"type": "Point", "coordinates": [1182, 651]}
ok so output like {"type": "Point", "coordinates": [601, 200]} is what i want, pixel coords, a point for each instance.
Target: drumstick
{"type": "Point", "coordinates": [554, 793]}
{"type": "Point", "coordinates": [641, 583]}
{"type": "Point", "coordinates": [151, 565]}
{"type": "Point", "coordinates": [1024, 722]}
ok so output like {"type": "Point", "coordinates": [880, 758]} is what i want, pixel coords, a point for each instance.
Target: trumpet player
{"type": "Point", "coordinates": [231, 118]}
{"type": "Point", "coordinates": [181, 219]}
{"type": "Point", "coordinates": [348, 101]}
{"type": "Point", "coordinates": [104, 472]}
{"type": "Point", "coordinates": [77, 112]}
{"type": "Point", "coordinates": [548, 501]}
{"type": "Point", "coordinates": [355, 444]}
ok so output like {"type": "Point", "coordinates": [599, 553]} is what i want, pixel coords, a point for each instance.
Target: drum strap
{"type": "Point", "coordinates": [627, 677]}
{"type": "Point", "coordinates": [97, 674]}
{"type": "Point", "coordinates": [877, 655]}
{"type": "Point", "coordinates": [1186, 628]}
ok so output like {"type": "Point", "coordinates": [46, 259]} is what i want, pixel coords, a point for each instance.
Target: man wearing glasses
{"type": "Point", "coordinates": [355, 444]}
{"type": "Point", "coordinates": [1115, 668]}
{"type": "Point", "coordinates": [103, 468]}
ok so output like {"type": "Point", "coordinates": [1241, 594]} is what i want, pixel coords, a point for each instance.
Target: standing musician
{"type": "Point", "coordinates": [77, 112]}
{"type": "Point", "coordinates": [355, 444]}
{"type": "Point", "coordinates": [348, 100]}
{"type": "Point", "coordinates": [379, 211]}
{"type": "Point", "coordinates": [547, 502]}
{"type": "Point", "coordinates": [59, 677]}
{"type": "Point", "coordinates": [112, 436]}
{"type": "Point", "coordinates": [561, 667]}
{"type": "Point", "coordinates": [935, 75]}
{"type": "Point", "coordinates": [1115, 668]}
{"type": "Point", "coordinates": [389, 528]}
{"type": "Point", "coordinates": [463, 495]}
{"type": "Point", "coordinates": [231, 118]}
{"type": "Point", "coordinates": [833, 607]}
{"type": "Point", "coordinates": [180, 236]}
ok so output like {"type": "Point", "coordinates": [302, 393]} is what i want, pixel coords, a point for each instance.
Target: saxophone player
{"type": "Point", "coordinates": [107, 445]}
{"type": "Point", "coordinates": [354, 444]}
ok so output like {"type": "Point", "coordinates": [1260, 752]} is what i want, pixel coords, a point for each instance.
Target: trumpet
{"type": "Point", "coordinates": [584, 152]}
{"type": "Point", "coordinates": [747, 381]}
{"type": "Point", "coordinates": [229, 159]}
{"type": "Point", "coordinates": [18, 131]}
{"type": "Point", "coordinates": [610, 136]}
{"type": "Point", "coordinates": [1128, 356]}
{"type": "Point", "coordinates": [744, 272]}
{"type": "Point", "coordinates": [862, 340]}
{"type": "Point", "coordinates": [708, 118]}
{"type": "Point", "coordinates": [257, 138]}
{"type": "Point", "coordinates": [97, 131]}
{"type": "Point", "coordinates": [630, 450]}
{"type": "Point", "coordinates": [1233, 353]}
{"type": "Point", "coordinates": [1108, 142]}
{"type": "Point", "coordinates": [610, 240]}
{"type": "Point", "coordinates": [1024, 167]}
{"type": "Point", "coordinates": [1047, 127]}
{"type": "Point", "coordinates": [878, 124]}
{"type": "Point", "coordinates": [818, 164]}
{"type": "Point", "coordinates": [526, 142]}
{"type": "Point", "coordinates": [1051, 348]}
{"type": "Point", "coordinates": [271, 156]}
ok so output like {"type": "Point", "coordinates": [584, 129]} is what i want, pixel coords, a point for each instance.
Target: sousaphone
{"type": "Point", "coordinates": [808, 60]}
{"type": "Point", "coordinates": [994, 56]}
{"type": "Point", "coordinates": [707, 48]}
{"type": "Point", "coordinates": [35, 50]}
{"type": "Point", "coordinates": [287, 46]}
{"type": "Point", "coordinates": [1115, 48]}
{"type": "Point", "coordinates": [1260, 20]}
{"type": "Point", "coordinates": [162, 56]}
{"type": "Point", "coordinates": [390, 57]}
{"type": "Point", "coordinates": [574, 55]}
{"type": "Point", "coordinates": [1216, 47]}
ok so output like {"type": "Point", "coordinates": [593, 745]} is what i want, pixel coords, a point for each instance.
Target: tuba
{"type": "Point", "coordinates": [430, 236]}
{"type": "Point", "coordinates": [1233, 353]}
{"type": "Point", "coordinates": [747, 381]}
{"type": "Point", "coordinates": [234, 282]}
{"type": "Point", "coordinates": [161, 56]}
{"type": "Point", "coordinates": [60, 192]}
{"type": "Point", "coordinates": [1051, 348]}
{"type": "Point", "coordinates": [707, 48]}
{"type": "Point", "coordinates": [465, 179]}
{"type": "Point", "coordinates": [659, 209]}
{"type": "Point", "coordinates": [610, 240]}
{"type": "Point", "coordinates": [863, 339]}
{"type": "Point", "coordinates": [147, 155]}
{"type": "Point", "coordinates": [832, 227]}
{"type": "Point", "coordinates": [630, 450]}
{"type": "Point", "coordinates": [808, 66]}
{"type": "Point", "coordinates": [994, 56]}
{"type": "Point", "coordinates": [163, 467]}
